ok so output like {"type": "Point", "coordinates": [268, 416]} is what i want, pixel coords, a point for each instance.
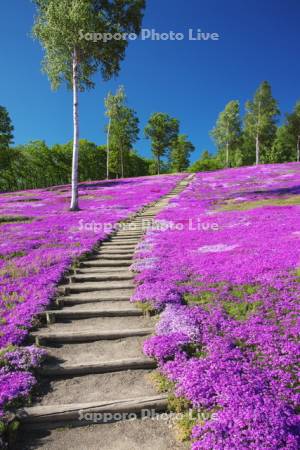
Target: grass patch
{"type": "Point", "coordinates": [187, 418]}
{"type": "Point", "coordinates": [241, 343]}
{"type": "Point", "coordinates": [178, 404]}
{"type": "Point", "coordinates": [190, 283]}
{"type": "Point", "coordinates": [164, 386]}
{"type": "Point", "coordinates": [194, 351]}
{"type": "Point", "coordinates": [208, 297]}
{"type": "Point", "coordinates": [238, 293]}
{"type": "Point", "coordinates": [87, 197]}
{"type": "Point", "coordinates": [186, 422]}
{"type": "Point", "coordinates": [244, 206]}
{"type": "Point", "coordinates": [13, 255]}
{"type": "Point", "coordinates": [184, 426]}
{"type": "Point", "coordinates": [104, 197]}
{"type": "Point", "coordinates": [3, 351]}
{"type": "Point", "coordinates": [13, 271]}
{"type": "Point", "coordinates": [241, 311]}
{"type": "Point", "coordinates": [146, 307]}
{"type": "Point", "coordinates": [11, 300]}
{"type": "Point", "coordinates": [203, 298]}
{"type": "Point", "coordinates": [247, 289]}
{"type": "Point", "coordinates": [161, 383]}
{"type": "Point", "coordinates": [25, 200]}
{"type": "Point", "coordinates": [13, 219]}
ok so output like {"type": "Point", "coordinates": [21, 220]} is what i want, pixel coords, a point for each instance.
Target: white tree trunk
{"type": "Point", "coordinates": [227, 154]}
{"type": "Point", "coordinates": [298, 149]}
{"type": "Point", "coordinates": [122, 163]}
{"type": "Point", "coordinates": [108, 149]}
{"type": "Point", "coordinates": [158, 165]}
{"type": "Point", "coordinates": [257, 151]}
{"type": "Point", "coordinates": [257, 143]}
{"type": "Point", "coordinates": [74, 200]}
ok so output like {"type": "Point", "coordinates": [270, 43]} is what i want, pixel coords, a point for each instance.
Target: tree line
{"type": "Point", "coordinates": [35, 164]}
{"type": "Point", "coordinates": [257, 138]}
{"type": "Point", "coordinates": [171, 150]}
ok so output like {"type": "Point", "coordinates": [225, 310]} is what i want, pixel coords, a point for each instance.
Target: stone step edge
{"type": "Point", "coordinates": [108, 263]}
{"type": "Point", "coordinates": [72, 300]}
{"type": "Point", "coordinates": [80, 414]}
{"type": "Point", "coordinates": [51, 315]}
{"type": "Point", "coordinates": [97, 367]}
{"type": "Point", "coordinates": [89, 336]}
{"type": "Point", "coordinates": [94, 277]}
{"type": "Point", "coordinates": [96, 287]}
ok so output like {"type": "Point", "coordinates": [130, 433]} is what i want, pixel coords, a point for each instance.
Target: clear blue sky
{"type": "Point", "coordinates": [259, 39]}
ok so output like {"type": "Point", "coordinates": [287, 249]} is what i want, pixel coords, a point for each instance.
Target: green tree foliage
{"type": "Point", "coordinates": [206, 163]}
{"type": "Point", "coordinates": [123, 133]}
{"type": "Point", "coordinates": [260, 126]}
{"type": "Point", "coordinates": [113, 103]}
{"type": "Point", "coordinates": [293, 131]}
{"type": "Point", "coordinates": [181, 150]}
{"type": "Point", "coordinates": [163, 131]}
{"type": "Point", "coordinates": [227, 133]}
{"type": "Point", "coordinates": [137, 166]}
{"type": "Point", "coordinates": [35, 165]}
{"type": "Point", "coordinates": [69, 57]}
{"type": "Point", "coordinates": [286, 146]}
{"type": "Point", "coordinates": [283, 149]}
{"type": "Point", "coordinates": [6, 129]}
{"type": "Point", "coordinates": [164, 167]}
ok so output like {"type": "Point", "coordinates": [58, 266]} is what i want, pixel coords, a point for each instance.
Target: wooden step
{"type": "Point", "coordinates": [54, 416]}
{"type": "Point", "coordinates": [107, 263]}
{"type": "Point", "coordinates": [126, 237]}
{"type": "Point", "coordinates": [97, 367]}
{"type": "Point", "coordinates": [88, 336]}
{"type": "Point", "coordinates": [108, 270]}
{"type": "Point", "coordinates": [101, 277]}
{"type": "Point", "coordinates": [95, 286]}
{"type": "Point", "coordinates": [117, 246]}
{"type": "Point", "coordinates": [136, 233]}
{"type": "Point", "coordinates": [95, 297]}
{"type": "Point", "coordinates": [115, 251]}
{"type": "Point", "coordinates": [114, 257]}
{"type": "Point", "coordinates": [121, 240]}
{"type": "Point", "coordinates": [66, 313]}
{"type": "Point", "coordinates": [144, 219]}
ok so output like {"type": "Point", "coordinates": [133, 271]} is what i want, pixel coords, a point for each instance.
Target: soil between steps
{"type": "Point", "coordinates": [100, 350]}
{"type": "Point", "coordinates": [110, 295]}
{"type": "Point", "coordinates": [102, 306]}
{"type": "Point", "coordinates": [98, 387]}
{"type": "Point", "coordinates": [144, 434]}
{"type": "Point", "coordinates": [99, 324]}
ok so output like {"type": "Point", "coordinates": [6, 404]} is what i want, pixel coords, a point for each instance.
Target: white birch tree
{"type": "Point", "coordinates": [67, 31]}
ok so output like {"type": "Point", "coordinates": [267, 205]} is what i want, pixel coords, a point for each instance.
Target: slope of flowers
{"type": "Point", "coordinates": [223, 265]}
{"type": "Point", "coordinates": [39, 240]}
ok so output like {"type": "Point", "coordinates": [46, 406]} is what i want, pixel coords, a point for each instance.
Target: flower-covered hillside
{"type": "Point", "coordinates": [226, 272]}
{"type": "Point", "coordinates": [39, 240]}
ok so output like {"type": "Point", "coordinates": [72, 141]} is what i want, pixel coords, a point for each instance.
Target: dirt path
{"type": "Point", "coordinates": [96, 376]}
